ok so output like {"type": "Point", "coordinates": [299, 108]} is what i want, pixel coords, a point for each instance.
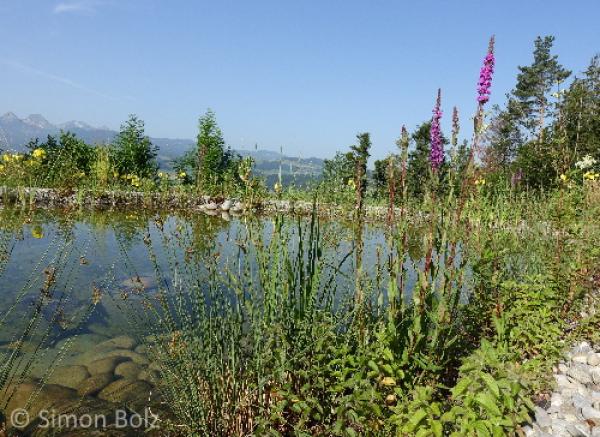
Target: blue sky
{"type": "Point", "coordinates": [305, 75]}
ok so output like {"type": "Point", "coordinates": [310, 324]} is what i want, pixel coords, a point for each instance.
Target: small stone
{"type": "Point", "coordinates": [581, 401]}
{"type": "Point", "coordinates": [226, 206]}
{"type": "Point", "coordinates": [542, 419]}
{"type": "Point", "coordinates": [556, 401]}
{"type": "Point", "coordinates": [68, 376]}
{"type": "Point", "coordinates": [593, 359]}
{"type": "Point", "coordinates": [584, 346]}
{"type": "Point", "coordinates": [211, 206]}
{"type": "Point", "coordinates": [580, 358]}
{"type": "Point", "coordinates": [578, 430]}
{"type": "Point", "coordinates": [596, 375]}
{"type": "Point", "coordinates": [563, 368]}
{"type": "Point", "coordinates": [580, 373]}
{"type": "Point", "coordinates": [590, 413]}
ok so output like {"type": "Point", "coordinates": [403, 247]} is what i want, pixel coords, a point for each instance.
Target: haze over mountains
{"type": "Point", "coordinates": [16, 132]}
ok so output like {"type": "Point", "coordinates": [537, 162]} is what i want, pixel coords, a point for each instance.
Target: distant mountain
{"type": "Point", "coordinates": [15, 133]}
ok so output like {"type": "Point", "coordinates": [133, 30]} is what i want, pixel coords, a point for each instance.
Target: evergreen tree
{"type": "Point", "coordinates": [534, 83]}
{"type": "Point", "coordinates": [580, 114]}
{"type": "Point", "coordinates": [361, 155]}
{"type": "Point", "coordinates": [213, 158]}
{"type": "Point", "coordinates": [504, 138]}
{"type": "Point", "coordinates": [133, 151]}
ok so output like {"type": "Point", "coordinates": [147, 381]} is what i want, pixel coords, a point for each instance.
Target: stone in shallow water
{"type": "Point", "coordinates": [105, 365]}
{"type": "Point", "coordinates": [596, 375]}
{"type": "Point", "coordinates": [128, 370]}
{"type": "Point", "coordinates": [120, 342]}
{"type": "Point", "coordinates": [81, 343]}
{"type": "Point", "coordinates": [94, 384]}
{"type": "Point", "coordinates": [149, 375]}
{"type": "Point", "coordinates": [126, 391]}
{"type": "Point", "coordinates": [69, 376]}
{"type": "Point", "coordinates": [133, 356]}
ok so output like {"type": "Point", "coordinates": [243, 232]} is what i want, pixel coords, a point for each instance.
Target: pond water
{"type": "Point", "coordinates": [74, 287]}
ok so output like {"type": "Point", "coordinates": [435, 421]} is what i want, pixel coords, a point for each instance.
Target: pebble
{"type": "Point", "coordinates": [574, 405]}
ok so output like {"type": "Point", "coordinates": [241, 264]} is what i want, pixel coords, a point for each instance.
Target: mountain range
{"type": "Point", "coordinates": [16, 132]}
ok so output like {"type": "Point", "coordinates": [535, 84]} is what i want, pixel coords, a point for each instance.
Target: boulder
{"type": "Point", "coordinates": [105, 365]}
{"type": "Point", "coordinates": [69, 376]}
{"type": "Point", "coordinates": [126, 391]}
{"type": "Point", "coordinates": [128, 370]}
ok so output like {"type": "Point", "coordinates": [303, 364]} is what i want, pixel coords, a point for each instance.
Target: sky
{"type": "Point", "coordinates": [306, 76]}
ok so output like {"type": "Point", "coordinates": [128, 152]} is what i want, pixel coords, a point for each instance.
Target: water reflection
{"type": "Point", "coordinates": [76, 288]}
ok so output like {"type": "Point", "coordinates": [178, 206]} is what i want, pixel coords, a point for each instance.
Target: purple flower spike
{"type": "Point", "coordinates": [436, 154]}
{"type": "Point", "coordinates": [485, 75]}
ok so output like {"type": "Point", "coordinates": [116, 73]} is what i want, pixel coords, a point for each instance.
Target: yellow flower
{"type": "Point", "coordinates": [37, 232]}
{"type": "Point", "coordinates": [1, 167]}
{"type": "Point", "coordinates": [182, 175]}
{"type": "Point", "coordinates": [563, 177]}
{"type": "Point", "coordinates": [590, 175]}
{"type": "Point", "coordinates": [161, 174]}
{"type": "Point", "coordinates": [39, 153]}
{"type": "Point", "coordinates": [17, 157]}
{"type": "Point", "coordinates": [6, 158]}
{"type": "Point", "coordinates": [388, 381]}
{"type": "Point", "coordinates": [480, 181]}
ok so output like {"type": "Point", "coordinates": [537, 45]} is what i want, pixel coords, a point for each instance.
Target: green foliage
{"type": "Point", "coordinates": [213, 163]}
{"type": "Point", "coordinates": [489, 398]}
{"type": "Point", "coordinates": [133, 152]}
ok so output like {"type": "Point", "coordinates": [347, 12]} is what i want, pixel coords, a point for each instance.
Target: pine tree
{"type": "Point", "coordinates": [580, 113]}
{"type": "Point", "coordinates": [361, 155]}
{"type": "Point", "coordinates": [133, 151]}
{"type": "Point", "coordinates": [213, 158]}
{"type": "Point", "coordinates": [534, 83]}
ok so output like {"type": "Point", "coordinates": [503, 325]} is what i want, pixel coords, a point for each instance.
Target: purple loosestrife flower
{"type": "Point", "coordinates": [485, 75]}
{"type": "Point", "coordinates": [436, 154]}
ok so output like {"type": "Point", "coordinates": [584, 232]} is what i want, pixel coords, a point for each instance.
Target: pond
{"type": "Point", "coordinates": [78, 290]}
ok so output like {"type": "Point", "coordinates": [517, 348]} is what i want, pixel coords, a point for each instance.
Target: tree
{"type": "Point", "coordinates": [361, 155]}
{"type": "Point", "coordinates": [381, 175]}
{"type": "Point", "coordinates": [504, 138]}
{"type": "Point", "coordinates": [133, 151]}
{"type": "Point", "coordinates": [338, 170]}
{"type": "Point", "coordinates": [213, 158]}
{"type": "Point", "coordinates": [534, 83]}
{"type": "Point", "coordinates": [579, 116]}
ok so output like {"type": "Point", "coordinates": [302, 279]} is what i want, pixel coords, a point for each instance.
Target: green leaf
{"type": "Point", "coordinates": [461, 386]}
{"type": "Point", "coordinates": [491, 384]}
{"type": "Point", "coordinates": [416, 419]}
{"type": "Point", "coordinates": [488, 403]}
